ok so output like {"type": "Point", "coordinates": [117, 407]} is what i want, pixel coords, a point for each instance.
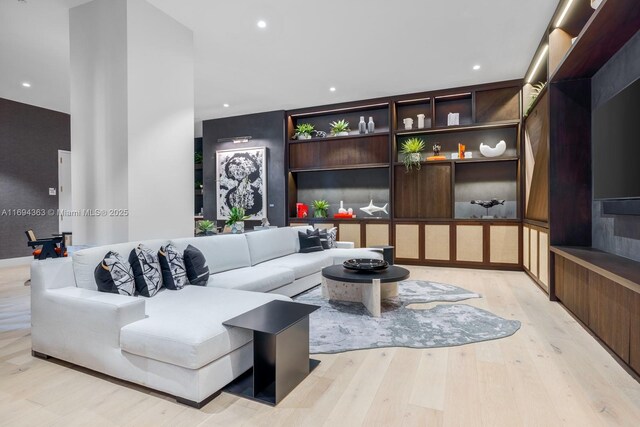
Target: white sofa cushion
{"type": "Point", "coordinates": [224, 252]}
{"type": "Point", "coordinates": [185, 328]}
{"type": "Point", "coordinates": [86, 260]}
{"type": "Point", "coordinates": [302, 264]}
{"type": "Point", "coordinates": [256, 279]}
{"type": "Point", "coordinates": [341, 255]}
{"type": "Point", "coordinates": [269, 244]}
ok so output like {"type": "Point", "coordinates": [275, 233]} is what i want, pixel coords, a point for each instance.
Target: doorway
{"type": "Point", "coordinates": [64, 192]}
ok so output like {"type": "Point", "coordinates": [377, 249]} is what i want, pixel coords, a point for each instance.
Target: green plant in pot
{"type": "Point", "coordinates": [340, 128]}
{"type": "Point", "coordinates": [236, 219]}
{"type": "Point", "coordinates": [410, 150]}
{"type": "Point", "coordinates": [535, 92]}
{"type": "Point", "coordinates": [320, 208]}
{"type": "Point", "coordinates": [197, 157]}
{"type": "Point", "coordinates": [205, 227]}
{"type": "Point", "coordinates": [303, 130]}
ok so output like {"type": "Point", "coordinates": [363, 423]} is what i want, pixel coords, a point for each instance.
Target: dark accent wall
{"type": "Point", "coordinates": [617, 234]}
{"type": "Point", "coordinates": [266, 130]}
{"type": "Point", "coordinates": [30, 138]}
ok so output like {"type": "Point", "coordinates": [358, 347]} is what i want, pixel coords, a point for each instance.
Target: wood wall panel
{"type": "Point", "coordinates": [469, 243]}
{"type": "Point", "coordinates": [498, 105]}
{"type": "Point", "coordinates": [339, 152]}
{"type": "Point", "coordinates": [609, 314]}
{"type": "Point", "coordinates": [634, 333]}
{"type": "Point", "coordinates": [407, 241]}
{"type": "Point", "coordinates": [543, 258]}
{"type": "Point", "coordinates": [437, 242]}
{"type": "Point", "coordinates": [377, 234]}
{"type": "Point", "coordinates": [503, 243]}
{"type": "Point", "coordinates": [533, 252]}
{"type": "Point", "coordinates": [525, 247]}
{"type": "Point", "coordinates": [575, 292]}
{"type": "Point", "coordinates": [537, 161]}
{"type": "Point", "coordinates": [424, 193]}
{"type": "Point", "coordinates": [559, 277]}
{"type": "Point", "coordinates": [350, 233]}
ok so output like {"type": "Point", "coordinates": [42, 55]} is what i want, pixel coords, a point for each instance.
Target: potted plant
{"type": "Point", "coordinates": [340, 128]}
{"type": "Point", "coordinates": [411, 149]}
{"type": "Point", "coordinates": [535, 92]}
{"type": "Point", "coordinates": [320, 208]}
{"type": "Point", "coordinates": [236, 220]}
{"type": "Point", "coordinates": [205, 228]}
{"type": "Point", "coordinates": [197, 157]}
{"type": "Point", "coordinates": [303, 131]}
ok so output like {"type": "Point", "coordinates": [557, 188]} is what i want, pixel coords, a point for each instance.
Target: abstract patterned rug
{"type": "Point", "coordinates": [343, 326]}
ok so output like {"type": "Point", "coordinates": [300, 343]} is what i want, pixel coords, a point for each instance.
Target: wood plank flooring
{"type": "Point", "coordinates": [550, 373]}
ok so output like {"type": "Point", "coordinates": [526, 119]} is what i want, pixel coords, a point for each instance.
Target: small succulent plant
{"type": "Point", "coordinates": [409, 148]}
{"type": "Point", "coordinates": [339, 126]}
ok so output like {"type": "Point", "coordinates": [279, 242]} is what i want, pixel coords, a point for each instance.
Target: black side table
{"type": "Point", "coordinates": [280, 350]}
{"type": "Point", "coordinates": [387, 252]}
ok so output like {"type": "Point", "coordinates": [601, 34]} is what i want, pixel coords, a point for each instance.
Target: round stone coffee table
{"type": "Point", "coordinates": [369, 288]}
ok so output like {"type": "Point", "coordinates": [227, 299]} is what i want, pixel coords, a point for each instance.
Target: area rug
{"type": "Point", "coordinates": [343, 326]}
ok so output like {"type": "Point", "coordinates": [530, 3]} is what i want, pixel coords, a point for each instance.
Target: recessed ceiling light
{"type": "Point", "coordinates": [262, 24]}
{"type": "Point", "coordinates": [26, 84]}
{"type": "Point", "coordinates": [225, 105]}
{"type": "Point", "coordinates": [332, 89]}
{"type": "Point", "coordinates": [476, 67]}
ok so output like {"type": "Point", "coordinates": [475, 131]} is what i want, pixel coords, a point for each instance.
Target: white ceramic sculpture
{"type": "Point", "coordinates": [372, 208]}
{"type": "Point", "coordinates": [420, 121]}
{"type": "Point", "coordinates": [498, 150]}
{"type": "Point", "coordinates": [342, 210]}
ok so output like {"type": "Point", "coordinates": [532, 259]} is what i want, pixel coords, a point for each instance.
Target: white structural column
{"type": "Point", "coordinates": [132, 115]}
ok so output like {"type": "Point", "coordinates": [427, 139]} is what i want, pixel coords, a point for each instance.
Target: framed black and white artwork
{"type": "Point", "coordinates": [241, 181]}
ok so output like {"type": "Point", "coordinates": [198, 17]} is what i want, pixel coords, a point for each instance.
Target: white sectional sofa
{"type": "Point", "coordinates": [173, 342]}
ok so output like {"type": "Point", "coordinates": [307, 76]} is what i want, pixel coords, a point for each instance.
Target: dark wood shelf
{"type": "Point", "coordinates": [337, 138]}
{"type": "Point", "coordinates": [356, 219]}
{"type": "Point", "coordinates": [608, 29]}
{"type": "Point", "coordinates": [459, 220]}
{"type": "Point", "coordinates": [460, 161]}
{"type": "Point", "coordinates": [345, 167]}
{"type": "Point", "coordinates": [616, 268]}
{"type": "Point", "coordinates": [462, 128]}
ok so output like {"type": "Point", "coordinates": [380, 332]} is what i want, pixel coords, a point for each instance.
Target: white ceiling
{"type": "Point", "coordinates": [365, 48]}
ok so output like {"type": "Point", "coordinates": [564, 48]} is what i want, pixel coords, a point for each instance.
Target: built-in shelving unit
{"type": "Point", "coordinates": [198, 178]}
{"type": "Point", "coordinates": [428, 221]}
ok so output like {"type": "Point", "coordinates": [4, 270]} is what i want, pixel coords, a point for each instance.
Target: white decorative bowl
{"type": "Point", "coordinates": [498, 150]}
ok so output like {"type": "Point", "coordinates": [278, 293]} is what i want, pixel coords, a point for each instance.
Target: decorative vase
{"type": "Point", "coordinates": [408, 124]}
{"type": "Point", "coordinates": [237, 227]}
{"type": "Point", "coordinates": [318, 213]}
{"type": "Point", "coordinates": [371, 126]}
{"type": "Point", "coordinates": [414, 157]}
{"type": "Point", "coordinates": [420, 121]}
{"type": "Point", "coordinates": [342, 210]}
{"type": "Point", "coordinates": [362, 126]}
{"type": "Point", "coordinates": [304, 136]}
{"type": "Point", "coordinates": [342, 134]}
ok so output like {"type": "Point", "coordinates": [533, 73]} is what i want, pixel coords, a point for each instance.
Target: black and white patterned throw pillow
{"type": "Point", "coordinates": [196, 266]}
{"type": "Point", "coordinates": [114, 275]}
{"type": "Point", "coordinates": [146, 270]}
{"type": "Point", "coordinates": [174, 274]}
{"type": "Point", "coordinates": [332, 237]}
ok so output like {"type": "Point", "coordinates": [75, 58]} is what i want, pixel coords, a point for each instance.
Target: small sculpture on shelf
{"type": "Point", "coordinates": [498, 150]}
{"type": "Point", "coordinates": [318, 134]}
{"type": "Point", "coordinates": [487, 204]}
{"type": "Point", "coordinates": [436, 153]}
{"type": "Point", "coordinates": [371, 209]}
{"type": "Point", "coordinates": [302, 210]}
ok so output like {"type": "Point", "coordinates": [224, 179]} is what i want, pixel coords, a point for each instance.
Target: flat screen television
{"type": "Point", "coordinates": [615, 155]}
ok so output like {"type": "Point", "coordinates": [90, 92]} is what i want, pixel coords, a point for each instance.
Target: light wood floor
{"type": "Point", "coordinates": [550, 373]}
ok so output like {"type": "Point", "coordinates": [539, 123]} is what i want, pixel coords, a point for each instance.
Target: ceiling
{"type": "Point", "coordinates": [363, 48]}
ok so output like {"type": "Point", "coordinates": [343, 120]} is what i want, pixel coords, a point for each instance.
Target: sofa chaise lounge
{"type": "Point", "coordinates": [173, 342]}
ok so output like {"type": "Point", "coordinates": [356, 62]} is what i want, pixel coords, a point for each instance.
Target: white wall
{"type": "Point", "coordinates": [161, 116]}
{"type": "Point", "coordinates": [132, 105]}
{"type": "Point", "coordinates": [99, 140]}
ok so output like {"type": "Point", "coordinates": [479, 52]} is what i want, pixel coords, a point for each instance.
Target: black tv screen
{"type": "Point", "coordinates": [616, 146]}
